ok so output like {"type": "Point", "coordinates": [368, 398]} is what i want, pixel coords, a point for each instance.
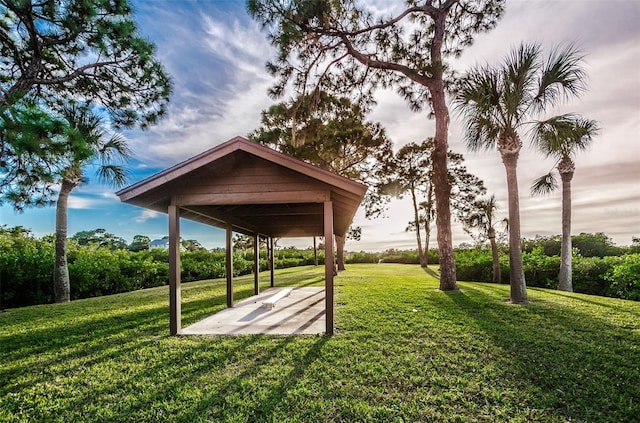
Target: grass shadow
{"type": "Point", "coordinates": [593, 300]}
{"type": "Point", "coordinates": [581, 365]}
{"type": "Point", "coordinates": [93, 350]}
{"type": "Point", "coordinates": [431, 272]}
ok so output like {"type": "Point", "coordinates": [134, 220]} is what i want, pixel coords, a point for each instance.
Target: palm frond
{"type": "Point", "coordinates": [562, 76]}
{"type": "Point", "coordinates": [563, 135]}
{"type": "Point", "coordinates": [86, 124]}
{"type": "Point", "coordinates": [88, 138]}
{"type": "Point", "coordinates": [583, 132]}
{"type": "Point", "coordinates": [519, 77]}
{"type": "Point", "coordinates": [113, 175]}
{"type": "Point", "coordinates": [505, 223]}
{"type": "Point", "coordinates": [115, 148]}
{"type": "Point", "coordinates": [490, 206]}
{"type": "Point", "coordinates": [544, 185]}
{"type": "Point", "coordinates": [549, 135]}
{"type": "Point", "coordinates": [477, 99]}
{"type": "Point", "coordinates": [481, 215]}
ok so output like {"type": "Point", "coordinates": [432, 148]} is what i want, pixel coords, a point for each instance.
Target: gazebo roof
{"type": "Point", "coordinates": [256, 189]}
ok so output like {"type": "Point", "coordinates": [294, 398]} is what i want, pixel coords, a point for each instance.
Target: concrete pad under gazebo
{"type": "Point", "coordinates": [248, 188]}
{"type": "Point", "coordinates": [300, 313]}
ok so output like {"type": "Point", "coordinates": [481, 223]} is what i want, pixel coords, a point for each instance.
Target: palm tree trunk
{"type": "Point", "coordinates": [566, 168]}
{"type": "Point", "coordinates": [416, 221]}
{"type": "Point", "coordinates": [442, 187]}
{"type": "Point", "coordinates": [61, 283]}
{"type": "Point", "coordinates": [340, 240]}
{"type": "Point", "coordinates": [510, 151]}
{"type": "Point", "coordinates": [494, 255]}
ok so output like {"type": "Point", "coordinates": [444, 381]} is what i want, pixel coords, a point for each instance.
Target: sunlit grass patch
{"type": "Point", "coordinates": [404, 351]}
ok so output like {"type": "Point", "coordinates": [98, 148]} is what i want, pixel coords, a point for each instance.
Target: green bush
{"type": "Point", "coordinates": [198, 265]}
{"type": "Point", "coordinates": [588, 274]}
{"type": "Point", "coordinates": [143, 272]}
{"type": "Point", "coordinates": [392, 256]}
{"type": "Point", "coordinates": [612, 276]}
{"type": "Point", "coordinates": [240, 265]}
{"type": "Point", "coordinates": [541, 270]}
{"type": "Point", "coordinates": [624, 278]}
{"type": "Point", "coordinates": [475, 265]}
{"type": "Point", "coordinates": [26, 268]}
{"type": "Point", "coordinates": [362, 257]}
{"type": "Point", "coordinates": [95, 271]}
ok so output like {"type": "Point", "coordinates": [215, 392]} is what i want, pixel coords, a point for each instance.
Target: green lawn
{"type": "Point", "coordinates": [403, 352]}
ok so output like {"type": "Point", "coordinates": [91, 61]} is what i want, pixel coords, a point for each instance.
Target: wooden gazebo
{"type": "Point", "coordinates": [248, 188]}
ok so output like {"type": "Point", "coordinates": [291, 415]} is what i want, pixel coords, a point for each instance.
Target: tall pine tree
{"type": "Point", "coordinates": [343, 46]}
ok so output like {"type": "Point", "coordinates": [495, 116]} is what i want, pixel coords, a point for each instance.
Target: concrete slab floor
{"type": "Point", "coordinates": [301, 313]}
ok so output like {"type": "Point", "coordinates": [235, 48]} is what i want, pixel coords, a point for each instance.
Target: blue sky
{"type": "Point", "coordinates": [216, 55]}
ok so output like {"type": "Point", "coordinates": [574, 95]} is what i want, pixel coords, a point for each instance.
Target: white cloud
{"type": "Point", "coordinates": [110, 195]}
{"type": "Point", "coordinates": [220, 99]}
{"type": "Point", "coordinates": [83, 203]}
{"type": "Point", "coordinates": [92, 197]}
{"type": "Point", "coordinates": [237, 42]}
{"type": "Point", "coordinates": [146, 214]}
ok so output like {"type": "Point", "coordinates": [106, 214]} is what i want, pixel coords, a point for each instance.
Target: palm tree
{"type": "Point", "coordinates": [561, 137]}
{"type": "Point", "coordinates": [497, 103]}
{"type": "Point", "coordinates": [483, 218]}
{"type": "Point", "coordinates": [87, 142]}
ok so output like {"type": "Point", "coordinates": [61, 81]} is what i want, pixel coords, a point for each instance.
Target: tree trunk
{"type": "Point", "coordinates": [510, 150]}
{"type": "Point", "coordinates": [340, 240]}
{"type": "Point", "coordinates": [427, 230]}
{"type": "Point", "coordinates": [416, 221]}
{"type": "Point", "coordinates": [494, 255]}
{"type": "Point", "coordinates": [61, 283]}
{"type": "Point", "coordinates": [442, 188]}
{"type": "Point", "coordinates": [566, 169]}
{"type": "Point", "coordinates": [427, 223]}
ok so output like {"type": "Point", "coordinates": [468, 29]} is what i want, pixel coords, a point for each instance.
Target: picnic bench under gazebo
{"type": "Point", "coordinates": [244, 187]}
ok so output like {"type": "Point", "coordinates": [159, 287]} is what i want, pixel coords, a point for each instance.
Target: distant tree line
{"type": "Point", "coordinates": [101, 264]}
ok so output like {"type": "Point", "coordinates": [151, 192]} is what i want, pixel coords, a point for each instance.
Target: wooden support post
{"type": "Point", "coordinates": [256, 264]}
{"type": "Point", "coordinates": [229, 262]}
{"type": "Point", "coordinates": [315, 252]}
{"type": "Point", "coordinates": [175, 318]}
{"type": "Point", "coordinates": [272, 259]}
{"type": "Point", "coordinates": [328, 265]}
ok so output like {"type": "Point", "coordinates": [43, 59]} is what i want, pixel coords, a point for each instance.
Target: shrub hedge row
{"type": "Point", "coordinates": [26, 268]}
{"type": "Point", "coordinates": [611, 276]}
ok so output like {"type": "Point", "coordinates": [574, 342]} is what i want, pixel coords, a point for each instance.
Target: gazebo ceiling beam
{"type": "Point", "coordinates": [280, 210]}
{"type": "Point", "coordinates": [239, 225]}
{"type": "Point", "coordinates": [248, 198]}
{"type": "Point", "coordinates": [297, 233]}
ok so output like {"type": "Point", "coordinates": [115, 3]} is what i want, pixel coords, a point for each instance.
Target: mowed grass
{"type": "Point", "coordinates": [403, 352]}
